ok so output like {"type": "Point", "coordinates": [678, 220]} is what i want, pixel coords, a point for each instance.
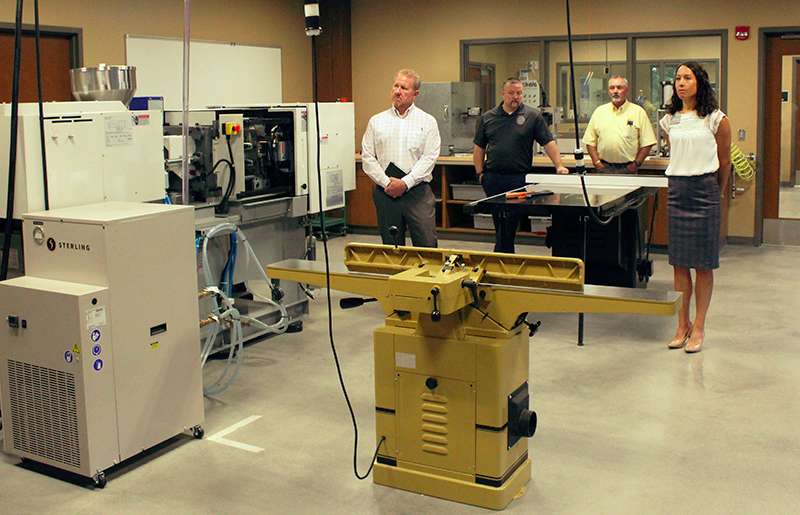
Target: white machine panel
{"type": "Point", "coordinates": [75, 168]}
{"type": "Point", "coordinates": [337, 145]}
{"type": "Point", "coordinates": [337, 152]}
{"type": "Point", "coordinates": [96, 151]}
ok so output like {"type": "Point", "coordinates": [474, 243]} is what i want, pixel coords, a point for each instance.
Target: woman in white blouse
{"type": "Point", "coordinates": [700, 140]}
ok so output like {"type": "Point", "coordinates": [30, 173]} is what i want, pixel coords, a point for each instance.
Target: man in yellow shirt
{"type": "Point", "coordinates": [619, 135]}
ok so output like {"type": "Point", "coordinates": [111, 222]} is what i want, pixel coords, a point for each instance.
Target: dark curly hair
{"type": "Point", "coordinates": [706, 101]}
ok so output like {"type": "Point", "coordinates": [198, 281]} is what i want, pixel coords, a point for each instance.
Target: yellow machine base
{"type": "Point", "coordinates": [454, 489]}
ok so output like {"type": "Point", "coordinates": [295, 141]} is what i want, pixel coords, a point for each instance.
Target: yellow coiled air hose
{"type": "Point", "coordinates": [741, 165]}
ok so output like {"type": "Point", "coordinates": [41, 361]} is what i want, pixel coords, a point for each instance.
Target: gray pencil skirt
{"type": "Point", "coordinates": [694, 221]}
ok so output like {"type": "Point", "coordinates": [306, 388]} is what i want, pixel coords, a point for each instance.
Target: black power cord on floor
{"type": "Point", "coordinates": [313, 30]}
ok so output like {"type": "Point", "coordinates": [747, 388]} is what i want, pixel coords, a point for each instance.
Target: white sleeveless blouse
{"type": "Point", "coordinates": [692, 141]}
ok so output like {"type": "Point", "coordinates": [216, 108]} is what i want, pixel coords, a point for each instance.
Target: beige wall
{"type": "Point", "coordinates": [256, 22]}
{"type": "Point", "coordinates": [425, 35]}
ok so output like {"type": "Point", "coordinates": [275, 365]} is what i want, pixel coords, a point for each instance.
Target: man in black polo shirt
{"type": "Point", "coordinates": [504, 139]}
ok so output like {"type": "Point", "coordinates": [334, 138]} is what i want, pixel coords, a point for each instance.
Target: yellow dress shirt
{"type": "Point", "coordinates": [619, 133]}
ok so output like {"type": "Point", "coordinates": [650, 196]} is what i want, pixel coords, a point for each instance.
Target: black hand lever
{"type": "Point", "coordinates": [644, 269]}
{"type": "Point", "coordinates": [472, 286]}
{"type": "Point", "coordinates": [394, 232]}
{"type": "Point", "coordinates": [436, 315]}
{"type": "Point", "coordinates": [354, 302]}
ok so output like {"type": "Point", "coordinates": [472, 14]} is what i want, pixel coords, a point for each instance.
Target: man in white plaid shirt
{"type": "Point", "coordinates": [406, 137]}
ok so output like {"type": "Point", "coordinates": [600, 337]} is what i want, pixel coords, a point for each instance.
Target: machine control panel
{"type": "Point", "coordinates": [231, 128]}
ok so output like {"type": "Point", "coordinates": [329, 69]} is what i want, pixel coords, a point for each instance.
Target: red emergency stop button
{"type": "Point", "coordinates": [230, 128]}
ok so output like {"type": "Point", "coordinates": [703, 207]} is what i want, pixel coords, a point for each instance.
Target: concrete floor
{"type": "Point", "coordinates": [625, 426]}
{"type": "Point", "coordinates": [789, 202]}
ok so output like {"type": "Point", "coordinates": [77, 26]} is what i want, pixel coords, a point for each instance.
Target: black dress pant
{"type": "Point", "coordinates": [505, 223]}
{"type": "Point", "coordinates": [415, 210]}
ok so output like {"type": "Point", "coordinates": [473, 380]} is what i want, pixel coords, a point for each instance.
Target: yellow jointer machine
{"type": "Point", "coordinates": [451, 363]}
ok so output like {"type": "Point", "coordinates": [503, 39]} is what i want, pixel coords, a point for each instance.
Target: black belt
{"type": "Point", "coordinates": [694, 177]}
{"type": "Point", "coordinates": [615, 164]}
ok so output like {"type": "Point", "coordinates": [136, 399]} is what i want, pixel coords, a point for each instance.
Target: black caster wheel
{"type": "Point", "coordinates": [198, 432]}
{"type": "Point", "coordinates": [100, 480]}
{"type": "Point", "coordinates": [295, 327]}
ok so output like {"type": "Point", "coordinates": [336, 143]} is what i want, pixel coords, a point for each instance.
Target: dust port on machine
{"type": "Point", "coordinates": [521, 420]}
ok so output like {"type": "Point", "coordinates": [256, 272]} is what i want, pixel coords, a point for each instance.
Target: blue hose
{"type": "Point", "coordinates": [226, 278]}
{"type": "Point", "coordinates": [232, 266]}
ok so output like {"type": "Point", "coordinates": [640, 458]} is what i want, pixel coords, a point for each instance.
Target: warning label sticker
{"type": "Point", "coordinates": [334, 188]}
{"type": "Point", "coordinates": [119, 130]}
{"type": "Point", "coordinates": [405, 360]}
{"type": "Point", "coordinates": [95, 317]}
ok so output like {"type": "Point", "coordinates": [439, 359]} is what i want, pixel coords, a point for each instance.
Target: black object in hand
{"type": "Point", "coordinates": [394, 171]}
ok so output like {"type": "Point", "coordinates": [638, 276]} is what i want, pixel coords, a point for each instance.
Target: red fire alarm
{"type": "Point", "coordinates": [742, 32]}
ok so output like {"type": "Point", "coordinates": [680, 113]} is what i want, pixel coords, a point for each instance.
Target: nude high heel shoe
{"type": "Point", "coordinates": [694, 346]}
{"type": "Point", "coordinates": [677, 343]}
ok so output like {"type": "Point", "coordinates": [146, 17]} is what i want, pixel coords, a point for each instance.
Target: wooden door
{"type": "Point", "coordinates": [56, 62]}
{"type": "Point", "coordinates": [776, 49]}
{"type": "Point", "coordinates": [796, 120]}
{"type": "Point", "coordinates": [334, 66]}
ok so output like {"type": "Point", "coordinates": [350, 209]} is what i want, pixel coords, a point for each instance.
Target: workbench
{"type": "Point", "coordinates": [452, 222]}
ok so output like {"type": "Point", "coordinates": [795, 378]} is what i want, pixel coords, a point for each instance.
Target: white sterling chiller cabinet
{"type": "Point", "coordinates": [99, 356]}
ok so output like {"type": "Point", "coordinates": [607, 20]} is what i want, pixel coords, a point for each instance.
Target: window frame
{"type": "Point", "coordinates": [631, 38]}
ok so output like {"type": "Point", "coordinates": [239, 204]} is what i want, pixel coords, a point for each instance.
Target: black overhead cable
{"type": "Point", "coordinates": [12, 149]}
{"type": "Point", "coordinates": [41, 107]}
{"type": "Point", "coordinates": [579, 167]}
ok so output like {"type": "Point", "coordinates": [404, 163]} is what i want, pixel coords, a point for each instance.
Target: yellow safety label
{"type": "Point", "coordinates": [76, 349]}
{"type": "Point", "coordinates": [154, 345]}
